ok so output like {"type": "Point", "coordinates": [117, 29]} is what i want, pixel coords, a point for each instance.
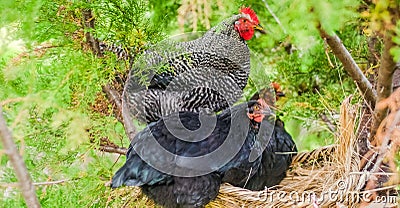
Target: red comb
{"type": "Point", "coordinates": [251, 13]}
{"type": "Point", "coordinates": [275, 85]}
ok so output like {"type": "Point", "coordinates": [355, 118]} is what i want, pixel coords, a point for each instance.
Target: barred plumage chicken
{"type": "Point", "coordinates": [206, 73]}
{"type": "Point", "coordinates": [203, 162]}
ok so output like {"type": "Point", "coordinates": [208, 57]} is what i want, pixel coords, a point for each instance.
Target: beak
{"type": "Point", "coordinates": [280, 94]}
{"type": "Point", "coordinates": [259, 28]}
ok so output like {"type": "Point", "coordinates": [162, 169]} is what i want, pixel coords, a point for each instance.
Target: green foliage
{"type": "Point", "coordinates": [11, 11]}
{"type": "Point", "coordinates": [298, 20]}
{"type": "Point", "coordinates": [127, 23]}
{"type": "Point", "coordinates": [47, 87]}
{"type": "Point", "coordinates": [164, 13]}
{"type": "Point", "coordinates": [49, 84]}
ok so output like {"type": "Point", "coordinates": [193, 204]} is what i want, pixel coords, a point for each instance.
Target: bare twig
{"type": "Point", "coordinates": [370, 173]}
{"type": "Point", "coordinates": [115, 98]}
{"type": "Point", "coordinates": [350, 65]}
{"type": "Point", "coordinates": [379, 189]}
{"type": "Point", "coordinates": [25, 183]}
{"type": "Point", "coordinates": [364, 129]}
{"type": "Point", "coordinates": [383, 150]}
{"type": "Point", "coordinates": [111, 149]}
{"type": "Point", "coordinates": [329, 59]}
{"type": "Point", "coordinates": [373, 55]}
{"type": "Point", "coordinates": [106, 145]}
{"type": "Point", "coordinates": [130, 128]}
{"type": "Point", "coordinates": [46, 183]}
{"type": "Point", "coordinates": [13, 100]}
{"type": "Point", "coordinates": [275, 17]}
{"type": "Point", "coordinates": [384, 84]}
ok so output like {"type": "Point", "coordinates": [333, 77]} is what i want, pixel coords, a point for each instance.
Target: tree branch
{"type": "Point", "coordinates": [115, 98]}
{"type": "Point", "coordinates": [111, 149]}
{"type": "Point", "coordinates": [130, 128]}
{"type": "Point", "coordinates": [45, 183]}
{"type": "Point", "coordinates": [105, 145]}
{"type": "Point", "coordinates": [88, 21]}
{"type": "Point", "coordinates": [27, 188]}
{"type": "Point", "coordinates": [350, 65]}
{"type": "Point", "coordinates": [384, 82]}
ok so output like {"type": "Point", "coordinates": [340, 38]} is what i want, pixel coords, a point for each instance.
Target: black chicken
{"type": "Point", "coordinates": [276, 155]}
{"type": "Point", "coordinates": [276, 159]}
{"type": "Point", "coordinates": [186, 171]}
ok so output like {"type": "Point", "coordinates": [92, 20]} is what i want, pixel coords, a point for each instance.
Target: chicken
{"type": "Point", "coordinates": [276, 159]}
{"type": "Point", "coordinates": [277, 154]}
{"type": "Point", "coordinates": [206, 73]}
{"type": "Point", "coordinates": [179, 161]}
{"type": "Point", "coordinates": [270, 94]}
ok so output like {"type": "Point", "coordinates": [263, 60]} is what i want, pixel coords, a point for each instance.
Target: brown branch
{"type": "Point", "coordinates": [105, 145]}
{"type": "Point", "coordinates": [27, 188]}
{"type": "Point", "coordinates": [88, 21]}
{"type": "Point", "coordinates": [373, 49]}
{"type": "Point", "coordinates": [46, 183]}
{"type": "Point", "coordinates": [384, 82]}
{"type": "Point", "coordinates": [130, 128]}
{"type": "Point", "coordinates": [111, 149]}
{"type": "Point", "coordinates": [350, 65]}
{"type": "Point", "coordinates": [114, 97]}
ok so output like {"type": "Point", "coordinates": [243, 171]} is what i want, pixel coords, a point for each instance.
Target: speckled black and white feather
{"type": "Point", "coordinates": [209, 72]}
{"type": "Point", "coordinates": [118, 50]}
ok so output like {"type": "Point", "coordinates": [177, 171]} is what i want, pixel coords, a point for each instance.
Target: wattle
{"type": "Point", "coordinates": [247, 35]}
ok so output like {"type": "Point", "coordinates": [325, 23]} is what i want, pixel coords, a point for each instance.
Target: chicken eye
{"type": "Point", "coordinates": [256, 108]}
